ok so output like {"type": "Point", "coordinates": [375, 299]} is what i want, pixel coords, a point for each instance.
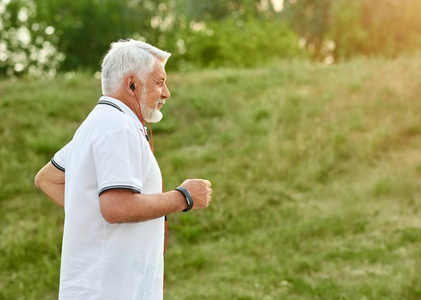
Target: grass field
{"type": "Point", "coordinates": [316, 180]}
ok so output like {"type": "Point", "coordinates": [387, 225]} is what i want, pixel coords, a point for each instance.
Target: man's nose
{"type": "Point", "coordinates": [165, 92]}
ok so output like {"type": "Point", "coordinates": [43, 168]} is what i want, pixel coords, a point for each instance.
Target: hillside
{"type": "Point", "coordinates": [315, 172]}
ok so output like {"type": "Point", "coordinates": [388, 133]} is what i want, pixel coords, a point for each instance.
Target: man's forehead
{"type": "Point", "coordinates": [159, 70]}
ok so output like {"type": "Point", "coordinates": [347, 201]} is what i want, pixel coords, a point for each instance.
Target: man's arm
{"type": "Point", "coordinates": [50, 181]}
{"type": "Point", "coordinates": [125, 206]}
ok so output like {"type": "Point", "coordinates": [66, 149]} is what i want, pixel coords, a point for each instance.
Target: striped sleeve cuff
{"type": "Point", "coordinates": [115, 187]}
{"type": "Point", "coordinates": [55, 164]}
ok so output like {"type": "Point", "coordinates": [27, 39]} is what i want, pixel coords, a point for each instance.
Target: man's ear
{"type": "Point", "coordinates": [130, 83]}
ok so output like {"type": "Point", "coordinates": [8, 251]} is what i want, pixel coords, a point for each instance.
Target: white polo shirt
{"type": "Point", "coordinates": [101, 260]}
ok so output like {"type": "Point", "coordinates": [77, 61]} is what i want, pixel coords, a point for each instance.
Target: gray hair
{"type": "Point", "coordinates": [128, 56]}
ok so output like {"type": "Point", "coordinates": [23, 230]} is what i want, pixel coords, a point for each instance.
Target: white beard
{"type": "Point", "coordinates": [150, 115]}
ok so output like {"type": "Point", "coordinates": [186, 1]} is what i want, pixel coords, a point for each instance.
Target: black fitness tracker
{"type": "Point", "coordinates": [188, 197]}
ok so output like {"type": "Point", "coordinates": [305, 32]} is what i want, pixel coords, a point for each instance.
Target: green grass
{"type": "Point", "coordinates": [315, 169]}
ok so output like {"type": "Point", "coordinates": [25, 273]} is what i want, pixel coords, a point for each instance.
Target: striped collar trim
{"type": "Point", "coordinates": [106, 102]}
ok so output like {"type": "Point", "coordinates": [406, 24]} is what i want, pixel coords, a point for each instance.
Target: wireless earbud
{"type": "Point", "coordinates": [132, 87]}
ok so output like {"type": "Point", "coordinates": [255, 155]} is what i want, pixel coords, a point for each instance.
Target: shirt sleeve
{"type": "Point", "coordinates": [60, 158]}
{"type": "Point", "coordinates": [117, 160]}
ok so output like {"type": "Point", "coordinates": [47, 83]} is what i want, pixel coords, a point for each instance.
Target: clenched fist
{"type": "Point", "coordinates": [200, 190]}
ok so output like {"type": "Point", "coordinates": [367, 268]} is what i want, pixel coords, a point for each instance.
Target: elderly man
{"type": "Point", "coordinates": [110, 185]}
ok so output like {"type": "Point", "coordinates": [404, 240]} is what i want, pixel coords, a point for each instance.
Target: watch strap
{"type": "Point", "coordinates": [187, 195]}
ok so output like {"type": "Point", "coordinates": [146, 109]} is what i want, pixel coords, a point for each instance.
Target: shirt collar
{"type": "Point", "coordinates": [123, 107]}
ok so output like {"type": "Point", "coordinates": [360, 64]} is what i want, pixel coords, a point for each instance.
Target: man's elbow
{"type": "Point", "coordinates": [114, 216]}
{"type": "Point", "coordinates": [39, 181]}
{"type": "Point", "coordinates": [111, 212]}
{"type": "Point", "coordinates": [110, 216]}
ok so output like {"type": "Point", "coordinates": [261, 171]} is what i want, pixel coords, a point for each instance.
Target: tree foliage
{"type": "Point", "coordinates": [311, 20]}
{"type": "Point", "coordinates": [241, 44]}
{"type": "Point", "coordinates": [25, 46]}
{"type": "Point", "coordinates": [376, 27]}
{"type": "Point", "coordinates": [76, 33]}
{"type": "Point", "coordinates": [218, 10]}
{"type": "Point", "coordinates": [43, 36]}
{"type": "Point", "coordinates": [209, 33]}
{"type": "Point", "coordinates": [358, 27]}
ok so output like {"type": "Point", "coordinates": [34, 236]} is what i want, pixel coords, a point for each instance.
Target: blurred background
{"type": "Point", "coordinates": [304, 114]}
{"type": "Point", "coordinates": [44, 37]}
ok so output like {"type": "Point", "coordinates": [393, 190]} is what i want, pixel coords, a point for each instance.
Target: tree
{"type": "Point", "coordinates": [46, 35]}
{"type": "Point", "coordinates": [22, 45]}
{"type": "Point", "coordinates": [85, 28]}
{"type": "Point", "coordinates": [375, 27]}
{"type": "Point", "coordinates": [218, 10]}
{"type": "Point", "coordinates": [311, 20]}
{"type": "Point", "coordinates": [74, 34]}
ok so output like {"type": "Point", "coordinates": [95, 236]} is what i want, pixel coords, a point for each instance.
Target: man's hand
{"type": "Point", "coordinates": [200, 190]}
